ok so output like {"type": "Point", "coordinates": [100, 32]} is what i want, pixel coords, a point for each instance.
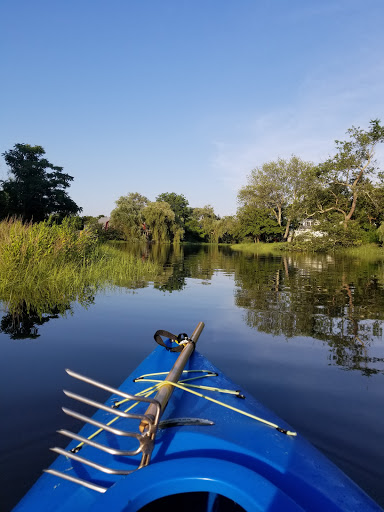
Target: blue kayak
{"type": "Point", "coordinates": [178, 434]}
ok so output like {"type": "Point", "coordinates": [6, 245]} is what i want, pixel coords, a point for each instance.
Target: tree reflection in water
{"type": "Point", "coordinates": [336, 299]}
{"type": "Point", "coordinates": [24, 323]}
{"type": "Point", "coordinates": [331, 298]}
{"type": "Point", "coordinates": [23, 318]}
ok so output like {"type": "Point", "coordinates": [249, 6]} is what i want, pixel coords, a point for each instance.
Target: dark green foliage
{"type": "Point", "coordinates": [35, 188]}
{"type": "Point", "coordinates": [3, 204]}
{"type": "Point", "coordinates": [258, 224]}
{"type": "Point", "coordinates": [179, 205]}
{"type": "Point", "coordinates": [206, 224]}
{"type": "Point", "coordinates": [345, 193]}
{"type": "Point", "coordinates": [193, 231]}
{"type": "Point", "coordinates": [345, 179]}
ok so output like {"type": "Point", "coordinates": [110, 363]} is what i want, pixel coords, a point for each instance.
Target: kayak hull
{"type": "Point", "coordinates": [246, 460]}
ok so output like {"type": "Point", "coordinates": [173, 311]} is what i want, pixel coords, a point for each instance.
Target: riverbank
{"type": "Point", "coordinates": [363, 251]}
{"type": "Point", "coordinates": [260, 248]}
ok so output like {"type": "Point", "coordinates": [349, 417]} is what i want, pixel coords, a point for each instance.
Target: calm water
{"type": "Point", "coordinates": [304, 334]}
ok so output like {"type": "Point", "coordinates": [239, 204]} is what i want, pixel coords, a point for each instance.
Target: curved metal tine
{"type": "Point", "coordinates": [102, 447]}
{"type": "Point", "coordinates": [98, 405]}
{"type": "Point", "coordinates": [99, 467]}
{"type": "Point", "coordinates": [79, 481]}
{"type": "Point", "coordinates": [86, 419]}
{"type": "Point", "coordinates": [110, 389]}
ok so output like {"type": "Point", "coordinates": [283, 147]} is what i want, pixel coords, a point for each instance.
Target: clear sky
{"type": "Point", "coordinates": [185, 96]}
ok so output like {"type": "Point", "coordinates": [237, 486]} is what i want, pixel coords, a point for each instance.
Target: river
{"type": "Point", "coordinates": [302, 333]}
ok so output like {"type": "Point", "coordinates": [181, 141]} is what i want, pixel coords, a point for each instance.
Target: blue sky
{"type": "Point", "coordinates": [185, 96]}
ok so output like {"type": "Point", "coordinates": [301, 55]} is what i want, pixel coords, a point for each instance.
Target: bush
{"type": "Point", "coordinates": [334, 235]}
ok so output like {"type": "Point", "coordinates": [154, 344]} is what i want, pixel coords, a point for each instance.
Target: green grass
{"type": "Point", "coordinates": [367, 251]}
{"type": "Point", "coordinates": [260, 248]}
{"type": "Point", "coordinates": [44, 267]}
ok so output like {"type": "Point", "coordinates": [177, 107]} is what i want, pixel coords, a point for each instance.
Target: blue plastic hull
{"type": "Point", "coordinates": [247, 461]}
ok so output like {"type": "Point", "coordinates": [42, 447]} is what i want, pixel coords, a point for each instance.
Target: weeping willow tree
{"type": "Point", "coordinates": [160, 220]}
{"type": "Point", "coordinates": [178, 233]}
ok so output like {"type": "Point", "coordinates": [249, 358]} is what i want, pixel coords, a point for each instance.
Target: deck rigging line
{"type": "Point", "coordinates": [182, 384]}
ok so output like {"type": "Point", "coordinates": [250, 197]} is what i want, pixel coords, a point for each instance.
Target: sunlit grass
{"type": "Point", "coordinates": [260, 248]}
{"type": "Point", "coordinates": [367, 251]}
{"type": "Point", "coordinates": [43, 266]}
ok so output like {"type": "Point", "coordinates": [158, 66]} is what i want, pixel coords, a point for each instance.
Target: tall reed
{"type": "Point", "coordinates": [24, 244]}
{"type": "Point", "coordinates": [44, 265]}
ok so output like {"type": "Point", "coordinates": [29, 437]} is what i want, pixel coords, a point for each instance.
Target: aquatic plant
{"type": "Point", "coordinates": [24, 244]}
{"type": "Point", "coordinates": [46, 265]}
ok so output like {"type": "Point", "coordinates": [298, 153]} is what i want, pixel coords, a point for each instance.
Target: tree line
{"type": "Point", "coordinates": [344, 197]}
{"type": "Point", "coordinates": [167, 219]}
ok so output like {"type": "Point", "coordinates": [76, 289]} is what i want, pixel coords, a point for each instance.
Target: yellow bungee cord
{"type": "Point", "coordinates": [182, 384]}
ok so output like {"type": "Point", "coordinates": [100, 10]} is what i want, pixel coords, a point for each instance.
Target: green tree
{"type": "Point", "coordinates": [257, 223]}
{"type": "Point", "coordinates": [370, 206]}
{"type": "Point", "coordinates": [207, 223]}
{"type": "Point", "coordinates": [128, 217]}
{"type": "Point", "coordinates": [280, 187]}
{"type": "Point", "coordinates": [179, 205]}
{"type": "Point", "coordinates": [161, 221]}
{"type": "Point", "coordinates": [228, 229]}
{"type": "Point", "coordinates": [344, 178]}
{"type": "Point", "coordinates": [35, 188]}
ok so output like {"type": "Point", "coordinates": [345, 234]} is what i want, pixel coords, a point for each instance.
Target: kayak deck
{"type": "Point", "coordinates": [200, 447]}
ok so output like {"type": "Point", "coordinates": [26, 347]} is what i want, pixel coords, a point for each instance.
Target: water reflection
{"type": "Point", "coordinates": [181, 262]}
{"type": "Point", "coordinates": [335, 299]}
{"type": "Point", "coordinates": [24, 323]}
{"type": "Point", "coordinates": [23, 317]}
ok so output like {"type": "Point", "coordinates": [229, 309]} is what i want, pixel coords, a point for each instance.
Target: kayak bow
{"type": "Point", "coordinates": [165, 439]}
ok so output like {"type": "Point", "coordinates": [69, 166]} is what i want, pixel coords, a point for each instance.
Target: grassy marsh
{"type": "Point", "coordinates": [44, 266]}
